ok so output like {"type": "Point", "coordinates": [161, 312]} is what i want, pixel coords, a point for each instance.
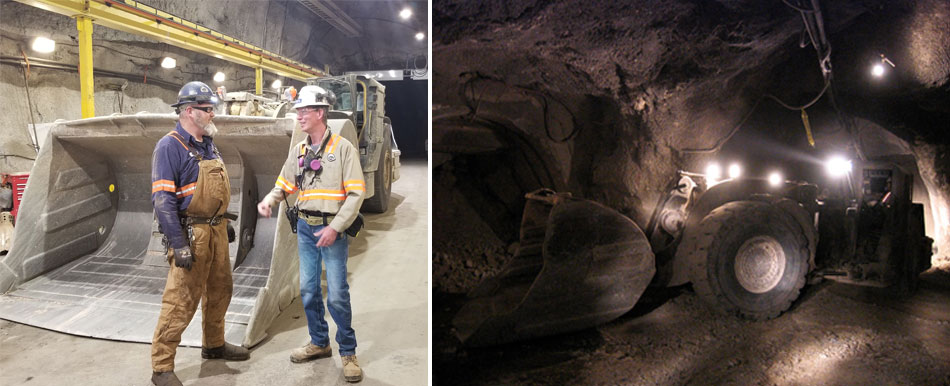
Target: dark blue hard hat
{"type": "Point", "coordinates": [195, 92]}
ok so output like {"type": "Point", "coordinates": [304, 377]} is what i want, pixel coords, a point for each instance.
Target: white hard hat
{"type": "Point", "coordinates": [314, 96]}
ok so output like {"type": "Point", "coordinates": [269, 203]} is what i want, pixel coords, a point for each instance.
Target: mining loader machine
{"type": "Point", "coordinates": [747, 245]}
{"type": "Point", "coordinates": [246, 103]}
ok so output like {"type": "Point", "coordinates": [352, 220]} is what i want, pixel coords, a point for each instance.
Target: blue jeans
{"type": "Point", "coordinates": [338, 291]}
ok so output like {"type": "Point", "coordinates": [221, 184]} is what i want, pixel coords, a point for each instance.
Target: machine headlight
{"type": "Point", "coordinates": [713, 174]}
{"type": "Point", "coordinates": [775, 179]}
{"type": "Point", "coordinates": [838, 166]}
{"type": "Point", "coordinates": [734, 171]}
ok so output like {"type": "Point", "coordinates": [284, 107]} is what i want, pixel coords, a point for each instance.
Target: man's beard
{"type": "Point", "coordinates": [210, 129]}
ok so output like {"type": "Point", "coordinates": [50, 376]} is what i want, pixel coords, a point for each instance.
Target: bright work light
{"type": "Point", "coordinates": [734, 171]}
{"type": "Point", "coordinates": [713, 174]}
{"type": "Point", "coordinates": [837, 166]}
{"type": "Point", "coordinates": [43, 45]}
{"type": "Point", "coordinates": [219, 77]}
{"type": "Point", "coordinates": [877, 70]}
{"type": "Point", "coordinates": [168, 62]}
{"type": "Point", "coordinates": [775, 179]}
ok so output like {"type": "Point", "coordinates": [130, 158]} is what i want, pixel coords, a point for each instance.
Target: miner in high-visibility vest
{"type": "Point", "coordinates": [324, 170]}
{"type": "Point", "coordinates": [190, 193]}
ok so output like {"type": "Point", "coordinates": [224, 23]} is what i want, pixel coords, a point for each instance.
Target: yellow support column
{"type": "Point", "coordinates": [258, 80]}
{"type": "Point", "coordinates": [86, 82]}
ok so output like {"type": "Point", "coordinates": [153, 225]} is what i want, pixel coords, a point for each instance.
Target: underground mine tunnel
{"type": "Point", "coordinates": [711, 192]}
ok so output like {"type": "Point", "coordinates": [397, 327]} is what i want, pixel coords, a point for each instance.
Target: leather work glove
{"type": "Point", "coordinates": [231, 234]}
{"type": "Point", "coordinates": [183, 258]}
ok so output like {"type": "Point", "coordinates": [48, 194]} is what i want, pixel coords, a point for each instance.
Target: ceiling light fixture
{"type": "Point", "coordinates": [168, 62]}
{"type": "Point", "coordinates": [43, 45]}
{"type": "Point", "coordinates": [420, 36]}
{"type": "Point", "coordinates": [219, 77]}
{"type": "Point", "coordinates": [405, 13]}
{"type": "Point", "coordinates": [878, 69]}
{"type": "Point", "coordinates": [277, 83]}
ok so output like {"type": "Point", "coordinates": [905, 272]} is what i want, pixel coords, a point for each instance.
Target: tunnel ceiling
{"type": "Point", "coordinates": [616, 96]}
{"type": "Point", "coordinates": [286, 27]}
{"type": "Point", "coordinates": [681, 60]}
{"type": "Point", "coordinates": [385, 41]}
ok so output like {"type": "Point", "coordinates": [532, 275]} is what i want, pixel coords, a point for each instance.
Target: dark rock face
{"type": "Point", "coordinates": [608, 99]}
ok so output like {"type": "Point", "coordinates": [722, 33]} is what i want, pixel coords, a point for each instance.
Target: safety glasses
{"type": "Point", "coordinates": [207, 109]}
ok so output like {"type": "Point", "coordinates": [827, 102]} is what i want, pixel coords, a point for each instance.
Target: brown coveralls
{"type": "Point", "coordinates": [209, 277]}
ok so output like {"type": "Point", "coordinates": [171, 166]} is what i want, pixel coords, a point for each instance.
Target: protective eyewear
{"type": "Point", "coordinates": [304, 110]}
{"type": "Point", "coordinates": [207, 109]}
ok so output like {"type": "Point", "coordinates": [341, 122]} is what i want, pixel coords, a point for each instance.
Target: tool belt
{"type": "Point", "coordinates": [189, 220]}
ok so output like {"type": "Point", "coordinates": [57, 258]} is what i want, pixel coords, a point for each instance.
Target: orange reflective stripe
{"type": "Point", "coordinates": [163, 186]}
{"type": "Point", "coordinates": [354, 185]}
{"type": "Point", "coordinates": [178, 138]}
{"type": "Point", "coordinates": [334, 140]}
{"type": "Point", "coordinates": [322, 194]}
{"type": "Point", "coordinates": [285, 185]}
{"type": "Point", "coordinates": [187, 190]}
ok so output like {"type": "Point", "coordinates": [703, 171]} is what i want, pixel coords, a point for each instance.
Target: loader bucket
{"type": "Point", "coordinates": [88, 258]}
{"type": "Point", "coordinates": [579, 264]}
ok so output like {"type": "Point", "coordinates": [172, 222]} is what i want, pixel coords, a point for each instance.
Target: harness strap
{"type": "Point", "coordinates": [191, 150]}
{"type": "Point", "coordinates": [303, 152]}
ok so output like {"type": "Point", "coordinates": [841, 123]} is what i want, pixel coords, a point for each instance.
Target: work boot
{"type": "Point", "coordinates": [167, 378]}
{"type": "Point", "coordinates": [228, 352]}
{"type": "Point", "coordinates": [309, 353]}
{"type": "Point", "coordinates": [351, 369]}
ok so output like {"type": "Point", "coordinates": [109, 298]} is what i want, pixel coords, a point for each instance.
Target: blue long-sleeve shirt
{"type": "Point", "coordinates": [174, 176]}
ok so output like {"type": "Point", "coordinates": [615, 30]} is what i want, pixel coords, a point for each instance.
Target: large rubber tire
{"type": "Point", "coordinates": [916, 255]}
{"type": "Point", "coordinates": [749, 259]}
{"type": "Point", "coordinates": [382, 181]}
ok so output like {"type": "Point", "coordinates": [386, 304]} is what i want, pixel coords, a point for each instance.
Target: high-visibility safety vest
{"type": "Point", "coordinates": [337, 188]}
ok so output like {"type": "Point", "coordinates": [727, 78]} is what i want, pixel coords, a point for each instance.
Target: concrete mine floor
{"type": "Point", "coordinates": [836, 334]}
{"type": "Point", "coordinates": [388, 277]}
